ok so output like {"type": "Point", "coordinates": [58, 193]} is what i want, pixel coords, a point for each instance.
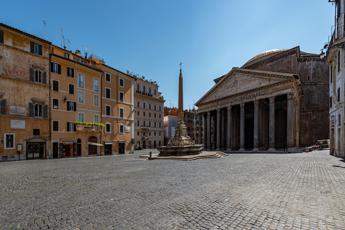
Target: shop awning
{"type": "Point", "coordinates": [95, 144]}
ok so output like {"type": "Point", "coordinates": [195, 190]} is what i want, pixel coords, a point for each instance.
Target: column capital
{"type": "Point", "coordinates": [242, 105]}
{"type": "Point", "coordinates": [229, 107]}
{"type": "Point", "coordinates": [208, 112]}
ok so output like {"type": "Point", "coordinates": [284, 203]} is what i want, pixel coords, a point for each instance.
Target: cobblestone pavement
{"type": "Point", "coordinates": [239, 191]}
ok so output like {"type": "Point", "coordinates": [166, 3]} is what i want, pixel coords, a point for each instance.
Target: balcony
{"type": "Point", "coordinates": [88, 126]}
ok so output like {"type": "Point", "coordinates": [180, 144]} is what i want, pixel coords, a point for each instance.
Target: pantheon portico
{"type": "Point", "coordinates": [255, 109]}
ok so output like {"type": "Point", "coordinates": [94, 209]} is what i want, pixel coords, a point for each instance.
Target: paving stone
{"type": "Point", "coordinates": [240, 191]}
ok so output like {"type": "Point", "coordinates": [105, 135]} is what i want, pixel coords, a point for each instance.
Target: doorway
{"type": "Point", "coordinates": [78, 147]}
{"type": "Point", "coordinates": [92, 145]}
{"type": "Point", "coordinates": [35, 150]}
{"type": "Point", "coordinates": [55, 150]}
{"type": "Point", "coordinates": [122, 147]}
{"type": "Point", "coordinates": [108, 149]}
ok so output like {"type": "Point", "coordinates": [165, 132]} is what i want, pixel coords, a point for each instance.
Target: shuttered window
{"type": "Point", "coordinates": [55, 126]}
{"type": "Point", "coordinates": [35, 48]}
{"type": "Point", "coordinates": [55, 68]}
{"type": "Point", "coordinates": [71, 127]}
{"type": "Point", "coordinates": [70, 72]}
{"type": "Point", "coordinates": [55, 85]}
{"type": "Point", "coordinates": [3, 106]}
{"type": "Point", "coordinates": [71, 89]}
{"type": "Point", "coordinates": [71, 106]}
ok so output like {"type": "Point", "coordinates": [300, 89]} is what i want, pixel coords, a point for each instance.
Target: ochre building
{"type": "Point", "coordinates": [24, 95]}
{"type": "Point", "coordinates": [277, 101]}
{"type": "Point", "coordinates": [57, 103]}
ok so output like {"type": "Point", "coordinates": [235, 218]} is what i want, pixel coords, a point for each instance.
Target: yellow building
{"type": "Point", "coordinates": [76, 105]}
{"type": "Point", "coordinates": [117, 111]}
{"type": "Point", "coordinates": [24, 95]}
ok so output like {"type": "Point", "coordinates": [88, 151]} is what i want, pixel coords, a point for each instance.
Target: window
{"type": "Point", "coordinates": [144, 105]}
{"type": "Point", "coordinates": [9, 140]}
{"type": "Point", "coordinates": [150, 92]}
{"type": "Point", "coordinates": [339, 120]}
{"type": "Point", "coordinates": [121, 96]}
{"type": "Point", "coordinates": [71, 127]}
{"type": "Point", "coordinates": [38, 110]}
{"type": "Point", "coordinates": [81, 96]}
{"type": "Point", "coordinates": [55, 103]}
{"type": "Point", "coordinates": [35, 48]}
{"type": "Point", "coordinates": [38, 76]}
{"type": "Point", "coordinates": [155, 107]}
{"type": "Point", "coordinates": [55, 126]}
{"type": "Point", "coordinates": [1, 37]}
{"type": "Point", "coordinates": [36, 132]}
{"type": "Point", "coordinates": [338, 94]}
{"type": "Point", "coordinates": [55, 85]}
{"type": "Point", "coordinates": [55, 68]}
{"type": "Point", "coordinates": [121, 112]}
{"type": "Point", "coordinates": [96, 118]}
{"type": "Point", "coordinates": [138, 104]}
{"type": "Point", "coordinates": [96, 100]}
{"type": "Point", "coordinates": [66, 55]}
{"type": "Point", "coordinates": [149, 106]}
{"type": "Point", "coordinates": [70, 72]}
{"type": "Point", "coordinates": [138, 88]}
{"type": "Point", "coordinates": [71, 106]}
{"type": "Point", "coordinates": [122, 83]}
{"type": "Point", "coordinates": [330, 102]}
{"type": "Point", "coordinates": [107, 110]}
{"type": "Point", "coordinates": [121, 129]}
{"type": "Point", "coordinates": [81, 117]}
{"type": "Point", "coordinates": [144, 89]}
{"type": "Point", "coordinates": [81, 81]}
{"type": "Point", "coordinates": [96, 85]}
{"type": "Point", "coordinates": [107, 92]}
{"type": "Point", "coordinates": [138, 123]}
{"type": "Point", "coordinates": [108, 128]}
{"type": "Point", "coordinates": [331, 72]}
{"type": "Point", "coordinates": [108, 77]}
{"type": "Point", "coordinates": [71, 89]}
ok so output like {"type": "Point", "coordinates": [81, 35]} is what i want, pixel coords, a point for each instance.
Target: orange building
{"type": "Point", "coordinates": [56, 103]}
{"type": "Point", "coordinates": [24, 95]}
{"type": "Point", "coordinates": [76, 105]}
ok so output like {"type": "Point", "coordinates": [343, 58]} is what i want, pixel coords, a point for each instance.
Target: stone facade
{"type": "Point", "coordinates": [148, 116]}
{"type": "Point", "coordinates": [336, 59]}
{"type": "Point", "coordinates": [278, 100]}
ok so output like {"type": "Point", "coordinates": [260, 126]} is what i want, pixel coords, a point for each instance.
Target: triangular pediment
{"type": "Point", "coordinates": [240, 81]}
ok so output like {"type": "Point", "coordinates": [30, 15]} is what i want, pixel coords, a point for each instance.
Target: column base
{"type": "Point", "coordinates": [271, 150]}
{"type": "Point", "coordinates": [255, 150]}
{"type": "Point", "coordinates": [241, 150]}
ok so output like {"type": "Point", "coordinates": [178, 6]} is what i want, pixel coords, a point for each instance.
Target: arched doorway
{"type": "Point", "coordinates": [79, 147]}
{"type": "Point", "coordinates": [92, 143]}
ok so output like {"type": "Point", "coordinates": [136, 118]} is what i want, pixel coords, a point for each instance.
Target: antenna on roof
{"type": "Point", "coordinates": [64, 41]}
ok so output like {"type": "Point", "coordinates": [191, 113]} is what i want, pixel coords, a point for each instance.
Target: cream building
{"type": "Point", "coordinates": [148, 116]}
{"type": "Point", "coordinates": [336, 60]}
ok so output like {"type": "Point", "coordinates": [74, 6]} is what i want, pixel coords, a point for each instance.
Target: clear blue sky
{"type": "Point", "coordinates": [151, 37]}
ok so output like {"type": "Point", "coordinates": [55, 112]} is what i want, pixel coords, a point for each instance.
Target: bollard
{"type": "Point", "coordinates": [150, 157]}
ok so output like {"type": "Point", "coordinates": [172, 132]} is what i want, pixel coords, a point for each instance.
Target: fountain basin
{"type": "Point", "coordinates": [184, 150]}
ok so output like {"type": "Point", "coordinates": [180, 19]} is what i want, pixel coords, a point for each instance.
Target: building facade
{"type": "Point", "coordinates": [148, 116]}
{"type": "Point", "coordinates": [56, 103]}
{"type": "Point", "coordinates": [24, 95]}
{"type": "Point", "coordinates": [336, 60]}
{"type": "Point", "coordinates": [75, 102]}
{"type": "Point", "coordinates": [277, 101]}
{"type": "Point", "coordinates": [117, 111]}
